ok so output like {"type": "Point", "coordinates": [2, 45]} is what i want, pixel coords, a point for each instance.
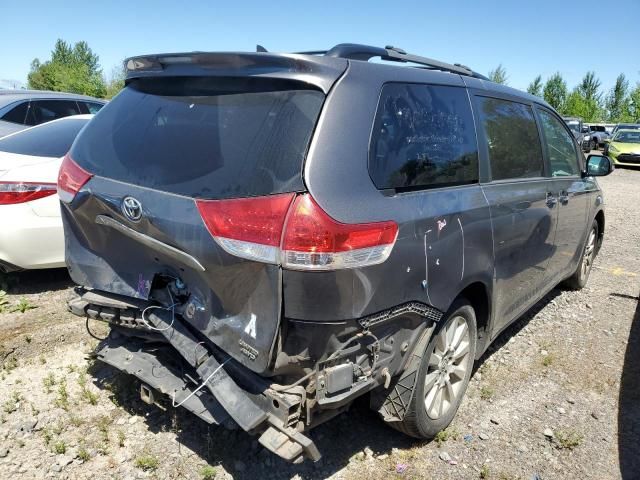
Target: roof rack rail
{"type": "Point", "coordinates": [356, 51]}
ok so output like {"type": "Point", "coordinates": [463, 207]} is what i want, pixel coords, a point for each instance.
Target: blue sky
{"type": "Point", "coordinates": [528, 38]}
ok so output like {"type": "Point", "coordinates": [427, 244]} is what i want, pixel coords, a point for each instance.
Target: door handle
{"type": "Point", "coordinates": [551, 200]}
{"type": "Point", "coordinates": [563, 198]}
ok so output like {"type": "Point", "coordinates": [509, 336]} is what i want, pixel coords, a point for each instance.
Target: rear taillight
{"type": "Point", "coordinates": [296, 233]}
{"type": "Point", "coordinates": [71, 179]}
{"type": "Point", "coordinates": [21, 192]}
{"type": "Point", "coordinates": [313, 240]}
{"type": "Point", "coordinates": [247, 227]}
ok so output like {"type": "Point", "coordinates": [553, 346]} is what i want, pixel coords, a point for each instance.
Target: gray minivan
{"type": "Point", "coordinates": [271, 236]}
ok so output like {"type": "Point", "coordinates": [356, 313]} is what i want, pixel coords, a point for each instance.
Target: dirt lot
{"type": "Point", "coordinates": [557, 396]}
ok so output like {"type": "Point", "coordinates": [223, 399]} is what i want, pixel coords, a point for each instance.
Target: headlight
{"type": "Point", "coordinates": [586, 138]}
{"type": "Point", "coordinates": [612, 148]}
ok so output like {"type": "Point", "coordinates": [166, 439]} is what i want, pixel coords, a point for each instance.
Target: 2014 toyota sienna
{"type": "Point", "coordinates": [271, 236]}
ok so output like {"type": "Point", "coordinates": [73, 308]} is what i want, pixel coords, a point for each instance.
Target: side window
{"type": "Point", "coordinates": [561, 147]}
{"type": "Point", "coordinates": [42, 111]}
{"type": "Point", "coordinates": [512, 139]}
{"type": "Point", "coordinates": [423, 136]}
{"type": "Point", "coordinates": [93, 107]}
{"type": "Point", "coordinates": [17, 114]}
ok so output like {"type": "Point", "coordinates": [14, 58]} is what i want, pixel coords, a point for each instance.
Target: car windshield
{"type": "Point", "coordinates": [51, 139]}
{"type": "Point", "coordinates": [628, 137]}
{"type": "Point", "coordinates": [574, 126]}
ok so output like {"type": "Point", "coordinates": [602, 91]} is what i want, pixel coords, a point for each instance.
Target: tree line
{"type": "Point", "coordinates": [586, 100]}
{"type": "Point", "coordinates": [75, 68]}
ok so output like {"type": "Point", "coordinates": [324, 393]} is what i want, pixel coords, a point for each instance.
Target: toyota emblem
{"type": "Point", "coordinates": [132, 208]}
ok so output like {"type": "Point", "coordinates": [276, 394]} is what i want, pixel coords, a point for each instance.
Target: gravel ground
{"type": "Point", "coordinates": [556, 397]}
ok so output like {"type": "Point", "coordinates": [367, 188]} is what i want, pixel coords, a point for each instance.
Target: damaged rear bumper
{"type": "Point", "coordinates": [202, 379]}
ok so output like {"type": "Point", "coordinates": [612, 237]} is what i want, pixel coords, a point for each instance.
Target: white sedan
{"type": "Point", "coordinates": [31, 234]}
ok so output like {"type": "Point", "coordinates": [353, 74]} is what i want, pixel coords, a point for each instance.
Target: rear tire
{"type": "Point", "coordinates": [443, 375]}
{"type": "Point", "coordinates": [579, 279]}
{"type": "Point", "coordinates": [593, 145]}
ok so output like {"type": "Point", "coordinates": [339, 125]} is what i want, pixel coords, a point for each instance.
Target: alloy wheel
{"type": "Point", "coordinates": [589, 253]}
{"type": "Point", "coordinates": [448, 367]}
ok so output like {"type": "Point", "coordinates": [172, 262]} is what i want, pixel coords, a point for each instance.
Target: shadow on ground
{"type": "Point", "coordinates": [338, 440]}
{"type": "Point", "coordinates": [35, 281]}
{"type": "Point", "coordinates": [629, 405]}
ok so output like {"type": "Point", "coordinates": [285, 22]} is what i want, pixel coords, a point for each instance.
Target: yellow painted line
{"type": "Point", "coordinates": [619, 272]}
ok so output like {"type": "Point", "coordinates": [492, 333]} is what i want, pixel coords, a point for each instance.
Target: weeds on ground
{"type": "Point", "coordinates": [22, 306]}
{"type": "Point", "coordinates": [487, 392]}
{"type": "Point", "coordinates": [49, 381]}
{"type": "Point", "coordinates": [88, 395]}
{"type": "Point", "coordinates": [63, 396]}
{"type": "Point", "coordinates": [11, 405]}
{"type": "Point", "coordinates": [75, 420]}
{"type": "Point", "coordinates": [4, 301]}
{"type": "Point", "coordinates": [43, 360]}
{"type": "Point", "coordinates": [59, 447]}
{"type": "Point", "coordinates": [484, 471]}
{"type": "Point", "coordinates": [450, 433]}
{"type": "Point", "coordinates": [83, 454]}
{"type": "Point", "coordinates": [103, 428]}
{"type": "Point", "coordinates": [147, 463]}
{"type": "Point", "coordinates": [11, 363]}
{"type": "Point", "coordinates": [121, 438]}
{"type": "Point", "coordinates": [27, 339]}
{"type": "Point", "coordinates": [548, 359]}
{"type": "Point", "coordinates": [568, 439]}
{"type": "Point", "coordinates": [208, 472]}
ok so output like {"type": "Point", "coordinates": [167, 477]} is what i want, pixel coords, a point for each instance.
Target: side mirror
{"type": "Point", "coordinates": [599, 166]}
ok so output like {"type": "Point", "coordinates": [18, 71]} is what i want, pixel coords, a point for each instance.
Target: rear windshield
{"type": "Point", "coordinates": [51, 139]}
{"type": "Point", "coordinates": [204, 137]}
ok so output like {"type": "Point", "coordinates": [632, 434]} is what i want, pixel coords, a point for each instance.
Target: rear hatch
{"type": "Point", "coordinates": [174, 175]}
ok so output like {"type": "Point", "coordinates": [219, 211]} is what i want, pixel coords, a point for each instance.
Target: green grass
{"type": "Point", "coordinates": [59, 447]}
{"type": "Point", "coordinates": [83, 454]}
{"type": "Point", "coordinates": [147, 463]}
{"type": "Point", "coordinates": [450, 433]}
{"type": "Point", "coordinates": [487, 392]}
{"type": "Point", "coordinates": [22, 306]}
{"type": "Point", "coordinates": [49, 381]}
{"type": "Point", "coordinates": [568, 439]}
{"type": "Point", "coordinates": [63, 396]}
{"type": "Point", "coordinates": [547, 360]}
{"type": "Point", "coordinates": [208, 472]}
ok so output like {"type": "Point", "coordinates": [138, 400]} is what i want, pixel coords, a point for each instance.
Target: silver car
{"type": "Point", "coordinates": [20, 109]}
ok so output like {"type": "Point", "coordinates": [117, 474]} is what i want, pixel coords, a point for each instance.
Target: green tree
{"type": "Point", "coordinates": [499, 75]}
{"type": "Point", "coordinates": [116, 81]}
{"type": "Point", "coordinates": [634, 103]}
{"type": "Point", "coordinates": [589, 87]}
{"type": "Point", "coordinates": [555, 92]}
{"type": "Point", "coordinates": [578, 105]}
{"type": "Point", "coordinates": [71, 69]}
{"type": "Point", "coordinates": [619, 102]}
{"type": "Point", "coordinates": [535, 87]}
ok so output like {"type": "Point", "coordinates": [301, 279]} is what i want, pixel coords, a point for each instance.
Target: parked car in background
{"type": "Point", "coordinates": [620, 126]}
{"type": "Point", "coordinates": [20, 109]}
{"type": "Point", "coordinates": [31, 235]}
{"type": "Point", "coordinates": [282, 234]}
{"type": "Point", "coordinates": [624, 147]}
{"type": "Point", "coordinates": [598, 136]}
{"type": "Point", "coordinates": [579, 131]}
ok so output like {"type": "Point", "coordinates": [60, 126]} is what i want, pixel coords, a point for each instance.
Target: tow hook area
{"type": "Point", "coordinates": [202, 379]}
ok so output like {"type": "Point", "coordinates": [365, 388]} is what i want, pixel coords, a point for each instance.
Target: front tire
{"type": "Point", "coordinates": [443, 375]}
{"type": "Point", "coordinates": [579, 279]}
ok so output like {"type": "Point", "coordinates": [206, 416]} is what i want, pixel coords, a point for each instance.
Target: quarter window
{"type": "Point", "coordinates": [41, 111]}
{"type": "Point", "coordinates": [423, 137]}
{"type": "Point", "coordinates": [512, 139]}
{"type": "Point", "coordinates": [561, 147]}
{"type": "Point", "coordinates": [17, 114]}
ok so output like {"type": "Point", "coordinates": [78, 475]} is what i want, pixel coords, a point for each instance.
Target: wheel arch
{"type": "Point", "coordinates": [601, 224]}
{"type": "Point", "coordinates": [479, 296]}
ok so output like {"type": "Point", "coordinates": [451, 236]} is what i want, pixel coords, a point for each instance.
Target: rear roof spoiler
{"type": "Point", "coordinates": [321, 72]}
